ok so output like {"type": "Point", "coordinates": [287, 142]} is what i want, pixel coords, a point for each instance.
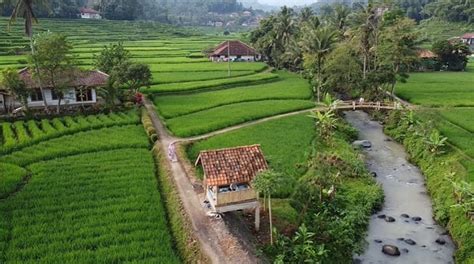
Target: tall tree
{"type": "Point", "coordinates": [15, 86]}
{"type": "Point", "coordinates": [316, 45]}
{"type": "Point", "coordinates": [266, 183]}
{"type": "Point", "coordinates": [54, 62]}
{"type": "Point", "coordinates": [24, 9]}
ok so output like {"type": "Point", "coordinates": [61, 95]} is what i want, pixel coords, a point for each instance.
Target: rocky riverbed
{"type": "Point", "coordinates": [404, 230]}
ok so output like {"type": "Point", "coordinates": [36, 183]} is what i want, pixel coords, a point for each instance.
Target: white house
{"type": "Point", "coordinates": [468, 38]}
{"type": "Point", "coordinates": [89, 13]}
{"type": "Point", "coordinates": [82, 90]}
{"type": "Point", "coordinates": [234, 49]}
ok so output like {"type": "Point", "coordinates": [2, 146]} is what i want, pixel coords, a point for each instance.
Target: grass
{"type": "Point", "coordinates": [20, 134]}
{"type": "Point", "coordinates": [60, 216]}
{"type": "Point", "coordinates": [131, 136]}
{"type": "Point", "coordinates": [10, 178]}
{"type": "Point", "coordinates": [288, 86]}
{"type": "Point", "coordinates": [435, 89]}
{"type": "Point", "coordinates": [202, 85]}
{"type": "Point", "coordinates": [224, 116]}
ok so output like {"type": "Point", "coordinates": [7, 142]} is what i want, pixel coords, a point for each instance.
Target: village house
{"type": "Point", "coordinates": [82, 90]}
{"type": "Point", "coordinates": [89, 13]}
{"type": "Point", "coordinates": [468, 38]}
{"type": "Point", "coordinates": [235, 50]}
{"type": "Point", "coordinates": [228, 174]}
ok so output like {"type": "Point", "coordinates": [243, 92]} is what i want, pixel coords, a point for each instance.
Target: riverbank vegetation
{"type": "Point", "coordinates": [449, 173]}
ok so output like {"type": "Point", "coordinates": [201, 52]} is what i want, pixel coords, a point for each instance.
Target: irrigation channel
{"type": "Point", "coordinates": [405, 220]}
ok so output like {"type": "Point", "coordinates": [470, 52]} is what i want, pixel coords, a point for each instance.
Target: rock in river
{"type": "Point", "coordinates": [389, 219]}
{"type": "Point", "coordinates": [391, 250]}
{"type": "Point", "coordinates": [440, 241]}
{"type": "Point", "coordinates": [410, 242]}
{"type": "Point", "coordinates": [362, 144]}
{"type": "Point", "coordinates": [405, 216]}
{"type": "Point", "coordinates": [382, 216]}
{"type": "Point", "coordinates": [416, 218]}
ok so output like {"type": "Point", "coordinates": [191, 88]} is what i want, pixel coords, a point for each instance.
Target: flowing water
{"type": "Point", "coordinates": [405, 193]}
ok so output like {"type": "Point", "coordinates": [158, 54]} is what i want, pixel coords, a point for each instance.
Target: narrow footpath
{"type": "Point", "coordinates": [215, 239]}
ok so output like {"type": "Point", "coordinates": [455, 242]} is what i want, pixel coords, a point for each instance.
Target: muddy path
{"type": "Point", "coordinates": [406, 199]}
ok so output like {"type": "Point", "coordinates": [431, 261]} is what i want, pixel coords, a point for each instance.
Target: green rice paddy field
{"type": "Point", "coordinates": [447, 98]}
{"type": "Point", "coordinates": [82, 189]}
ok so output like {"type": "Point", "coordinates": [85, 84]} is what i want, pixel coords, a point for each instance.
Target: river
{"type": "Point", "coordinates": [405, 195]}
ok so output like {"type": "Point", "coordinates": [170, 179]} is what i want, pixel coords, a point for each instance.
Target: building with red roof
{"type": "Point", "coordinates": [235, 50]}
{"type": "Point", "coordinates": [82, 89]}
{"type": "Point", "coordinates": [468, 38]}
{"type": "Point", "coordinates": [228, 175]}
{"type": "Point", "coordinates": [89, 13]}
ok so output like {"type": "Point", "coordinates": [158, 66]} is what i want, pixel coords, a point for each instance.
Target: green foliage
{"type": "Point", "coordinates": [12, 82]}
{"type": "Point", "coordinates": [111, 56]}
{"type": "Point", "coordinates": [435, 142]}
{"type": "Point", "coordinates": [132, 76]}
{"type": "Point", "coordinates": [452, 55]}
{"type": "Point", "coordinates": [325, 122]}
{"type": "Point", "coordinates": [451, 10]}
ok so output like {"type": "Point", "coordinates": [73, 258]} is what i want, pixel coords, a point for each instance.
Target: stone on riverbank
{"type": "Point", "coordinates": [391, 250]}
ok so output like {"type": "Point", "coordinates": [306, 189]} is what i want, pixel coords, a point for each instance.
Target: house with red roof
{"type": "Point", "coordinates": [82, 90]}
{"type": "Point", "coordinates": [468, 38]}
{"type": "Point", "coordinates": [228, 175]}
{"type": "Point", "coordinates": [89, 13]}
{"type": "Point", "coordinates": [235, 50]}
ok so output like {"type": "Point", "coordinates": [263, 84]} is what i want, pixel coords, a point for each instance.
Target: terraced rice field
{"type": "Point", "coordinates": [84, 191]}
{"type": "Point", "coordinates": [448, 100]}
{"type": "Point", "coordinates": [91, 177]}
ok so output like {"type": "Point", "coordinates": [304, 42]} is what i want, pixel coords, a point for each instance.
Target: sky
{"type": "Point", "coordinates": [286, 2]}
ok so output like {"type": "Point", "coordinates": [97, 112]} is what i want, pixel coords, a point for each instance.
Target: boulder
{"type": "Point", "coordinates": [362, 144]}
{"type": "Point", "coordinates": [389, 219]}
{"type": "Point", "coordinates": [440, 241]}
{"type": "Point", "coordinates": [382, 216]}
{"type": "Point", "coordinates": [416, 218]}
{"type": "Point", "coordinates": [405, 215]}
{"type": "Point", "coordinates": [374, 174]}
{"type": "Point", "coordinates": [391, 250]}
{"type": "Point", "coordinates": [410, 242]}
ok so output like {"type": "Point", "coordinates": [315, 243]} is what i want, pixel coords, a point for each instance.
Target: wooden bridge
{"type": "Point", "coordinates": [354, 105]}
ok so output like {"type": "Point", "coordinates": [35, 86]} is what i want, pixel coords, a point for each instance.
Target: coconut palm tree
{"type": "Point", "coordinates": [316, 45]}
{"type": "Point", "coordinates": [24, 9]}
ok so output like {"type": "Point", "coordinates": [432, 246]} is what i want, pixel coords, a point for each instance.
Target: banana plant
{"type": "Point", "coordinates": [435, 142]}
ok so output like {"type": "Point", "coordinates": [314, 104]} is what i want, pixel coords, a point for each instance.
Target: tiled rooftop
{"type": "Point", "coordinates": [232, 165]}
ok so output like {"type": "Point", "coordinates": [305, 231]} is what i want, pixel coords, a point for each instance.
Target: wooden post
{"type": "Point", "coordinates": [353, 105]}
{"type": "Point", "coordinates": [257, 217]}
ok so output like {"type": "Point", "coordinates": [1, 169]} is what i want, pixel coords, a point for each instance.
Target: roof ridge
{"type": "Point", "coordinates": [229, 148]}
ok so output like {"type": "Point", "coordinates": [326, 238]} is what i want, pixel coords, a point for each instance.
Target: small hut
{"type": "Point", "coordinates": [228, 174]}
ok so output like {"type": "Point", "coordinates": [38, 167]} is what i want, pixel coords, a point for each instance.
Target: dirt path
{"type": "Point", "coordinates": [215, 239]}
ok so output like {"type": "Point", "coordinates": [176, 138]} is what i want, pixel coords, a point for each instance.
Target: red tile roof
{"type": "Point", "coordinates": [78, 78]}
{"type": "Point", "coordinates": [237, 48]}
{"type": "Point", "coordinates": [468, 36]}
{"type": "Point", "coordinates": [232, 165]}
{"type": "Point", "coordinates": [86, 10]}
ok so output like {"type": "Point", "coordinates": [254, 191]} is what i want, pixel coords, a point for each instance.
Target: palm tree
{"type": "Point", "coordinates": [318, 44]}
{"type": "Point", "coordinates": [267, 182]}
{"type": "Point", "coordinates": [339, 17]}
{"type": "Point", "coordinates": [24, 9]}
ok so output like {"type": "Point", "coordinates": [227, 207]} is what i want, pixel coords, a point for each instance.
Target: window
{"type": "Point", "coordinates": [83, 95]}
{"type": "Point", "coordinates": [54, 95]}
{"type": "Point", "coordinates": [36, 95]}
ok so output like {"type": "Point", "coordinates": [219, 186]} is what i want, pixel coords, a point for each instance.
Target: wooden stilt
{"type": "Point", "coordinates": [257, 218]}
